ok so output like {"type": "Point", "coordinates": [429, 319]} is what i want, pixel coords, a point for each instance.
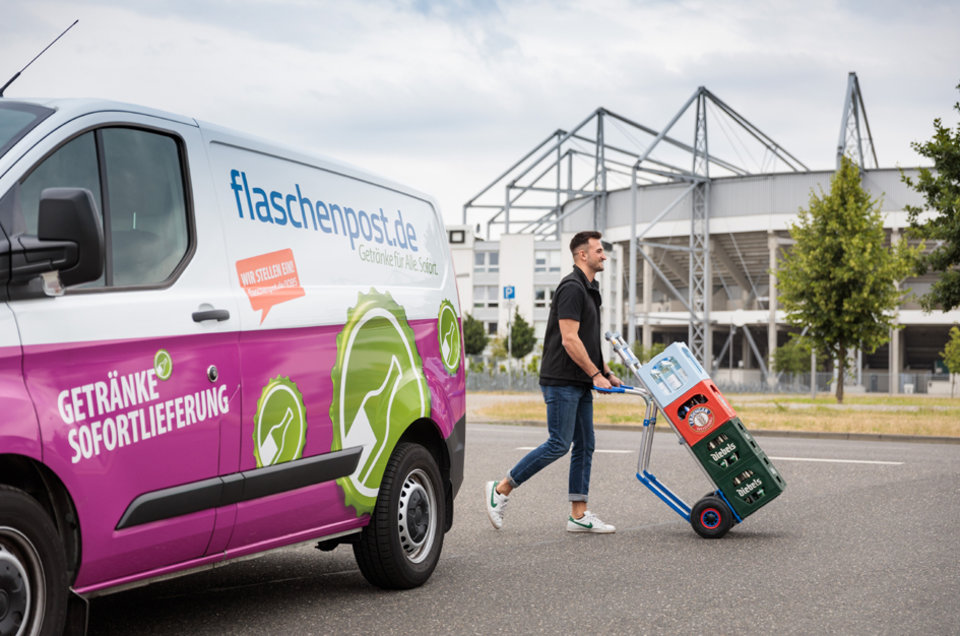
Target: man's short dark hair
{"type": "Point", "coordinates": [582, 238]}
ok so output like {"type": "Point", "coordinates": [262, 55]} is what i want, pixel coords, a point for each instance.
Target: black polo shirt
{"type": "Point", "coordinates": [575, 299]}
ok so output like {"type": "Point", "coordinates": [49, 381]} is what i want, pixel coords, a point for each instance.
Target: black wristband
{"type": "Point", "coordinates": [595, 374]}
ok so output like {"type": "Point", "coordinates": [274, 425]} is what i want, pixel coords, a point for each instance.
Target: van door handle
{"type": "Point", "coordinates": [211, 314]}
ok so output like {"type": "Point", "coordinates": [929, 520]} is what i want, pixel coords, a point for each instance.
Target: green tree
{"type": "Point", "coordinates": [474, 336]}
{"type": "Point", "coordinates": [498, 349]}
{"type": "Point", "coordinates": [951, 355]}
{"type": "Point", "coordinates": [522, 339]}
{"type": "Point", "coordinates": [644, 354]}
{"type": "Point", "coordinates": [793, 357]}
{"type": "Point", "coordinates": [839, 280]}
{"type": "Point", "coordinates": [941, 189]}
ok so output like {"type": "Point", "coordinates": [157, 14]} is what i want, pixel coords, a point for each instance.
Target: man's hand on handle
{"type": "Point", "coordinates": [602, 382]}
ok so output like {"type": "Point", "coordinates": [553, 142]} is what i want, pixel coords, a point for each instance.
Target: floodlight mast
{"type": "Point", "coordinates": [852, 140]}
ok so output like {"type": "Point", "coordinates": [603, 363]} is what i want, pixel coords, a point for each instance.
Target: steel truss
{"type": "Point", "coordinates": [606, 151]}
{"type": "Point", "coordinates": [852, 141]}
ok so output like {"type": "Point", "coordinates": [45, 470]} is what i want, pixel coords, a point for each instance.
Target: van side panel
{"type": "Point", "coordinates": [325, 505]}
{"type": "Point", "coordinates": [344, 282]}
{"type": "Point", "coordinates": [20, 434]}
{"type": "Point", "coordinates": [116, 431]}
{"type": "Point", "coordinates": [288, 367]}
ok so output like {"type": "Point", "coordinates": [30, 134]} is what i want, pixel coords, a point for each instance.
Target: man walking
{"type": "Point", "coordinates": [571, 365]}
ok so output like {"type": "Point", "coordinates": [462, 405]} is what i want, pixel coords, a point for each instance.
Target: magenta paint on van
{"type": "Point", "coordinates": [123, 443]}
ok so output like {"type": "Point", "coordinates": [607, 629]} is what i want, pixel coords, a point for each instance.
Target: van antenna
{"type": "Point", "coordinates": [14, 78]}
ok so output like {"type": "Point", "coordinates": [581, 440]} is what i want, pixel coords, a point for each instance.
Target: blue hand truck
{"type": "Point", "coordinates": [744, 478]}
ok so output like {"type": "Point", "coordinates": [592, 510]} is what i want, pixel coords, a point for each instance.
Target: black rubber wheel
{"type": "Point", "coordinates": [33, 568]}
{"type": "Point", "coordinates": [711, 517]}
{"type": "Point", "coordinates": [401, 546]}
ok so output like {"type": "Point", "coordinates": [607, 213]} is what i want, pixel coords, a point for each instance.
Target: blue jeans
{"type": "Point", "coordinates": [569, 422]}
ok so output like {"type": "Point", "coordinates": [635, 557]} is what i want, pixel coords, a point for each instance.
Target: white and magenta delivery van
{"type": "Point", "coordinates": [210, 347]}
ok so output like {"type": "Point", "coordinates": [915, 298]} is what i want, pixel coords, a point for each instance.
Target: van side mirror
{"type": "Point", "coordinates": [69, 240]}
{"type": "Point", "coordinates": [70, 214]}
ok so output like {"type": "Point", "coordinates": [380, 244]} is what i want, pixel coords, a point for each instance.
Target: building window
{"type": "Point", "coordinates": [486, 262]}
{"type": "Point", "coordinates": [539, 330]}
{"type": "Point", "coordinates": [491, 328]}
{"type": "Point", "coordinates": [546, 261]}
{"type": "Point", "coordinates": [542, 296]}
{"type": "Point", "coordinates": [485, 296]}
{"type": "Point", "coordinates": [457, 236]}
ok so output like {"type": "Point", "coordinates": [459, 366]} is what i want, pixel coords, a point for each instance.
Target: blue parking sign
{"type": "Point", "coordinates": [509, 292]}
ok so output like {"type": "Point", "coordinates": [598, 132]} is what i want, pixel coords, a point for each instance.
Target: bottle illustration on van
{"type": "Point", "coordinates": [212, 346]}
{"type": "Point", "coordinates": [377, 358]}
{"type": "Point", "coordinates": [448, 330]}
{"type": "Point", "coordinates": [281, 423]}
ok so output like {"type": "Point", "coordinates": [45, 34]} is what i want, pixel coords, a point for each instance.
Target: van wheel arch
{"type": "Point", "coordinates": [43, 485]}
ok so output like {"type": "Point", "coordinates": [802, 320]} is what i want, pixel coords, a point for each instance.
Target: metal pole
{"type": "Point", "coordinates": [813, 374]}
{"type": "Point", "coordinates": [632, 296]}
{"type": "Point", "coordinates": [510, 341]}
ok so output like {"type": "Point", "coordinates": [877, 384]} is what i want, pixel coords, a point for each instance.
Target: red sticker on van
{"type": "Point", "coordinates": [270, 279]}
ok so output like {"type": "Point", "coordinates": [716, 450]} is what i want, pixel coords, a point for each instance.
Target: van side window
{"type": "Point", "coordinates": [137, 182]}
{"type": "Point", "coordinates": [147, 212]}
{"type": "Point", "coordinates": [73, 165]}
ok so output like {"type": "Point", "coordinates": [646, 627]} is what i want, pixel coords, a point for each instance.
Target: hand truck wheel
{"type": "Point", "coordinates": [711, 517]}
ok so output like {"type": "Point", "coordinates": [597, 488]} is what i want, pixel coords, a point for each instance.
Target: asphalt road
{"type": "Point", "coordinates": [865, 540]}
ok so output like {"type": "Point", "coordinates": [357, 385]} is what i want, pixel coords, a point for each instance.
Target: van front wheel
{"type": "Point", "coordinates": [33, 568]}
{"type": "Point", "coordinates": [401, 546]}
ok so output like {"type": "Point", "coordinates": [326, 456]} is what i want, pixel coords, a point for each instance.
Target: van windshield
{"type": "Point", "coordinates": [16, 120]}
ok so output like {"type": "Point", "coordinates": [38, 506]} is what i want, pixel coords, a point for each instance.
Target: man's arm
{"type": "Point", "coordinates": [569, 334]}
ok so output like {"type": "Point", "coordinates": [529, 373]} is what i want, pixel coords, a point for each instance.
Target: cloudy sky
{"type": "Point", "coordinates": [444, 96]}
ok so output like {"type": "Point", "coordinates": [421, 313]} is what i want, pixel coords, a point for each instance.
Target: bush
{"type": "Point", "coordinates": [474, 337]}
{"type": "Point", "coordinates": [522, 339]}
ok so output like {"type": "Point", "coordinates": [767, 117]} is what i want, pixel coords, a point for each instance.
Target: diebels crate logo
{"type": "Point", "coordinates": [379, 238]}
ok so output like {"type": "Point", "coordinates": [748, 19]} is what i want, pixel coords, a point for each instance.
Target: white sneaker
{"type": "Point", "coordinates": [495, 503]}
{"type": "Point", "coordinates": [589, 522]}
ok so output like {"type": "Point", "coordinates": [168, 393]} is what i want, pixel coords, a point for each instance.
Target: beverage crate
{"type": "Point", "coordinates": [753, 484]}
{"type": "Point", "coordinates": [726, 448]}
{"type": "Point", "coordinates": [699, 411]}
{"type": "Point", "coordinates": [671, 373]}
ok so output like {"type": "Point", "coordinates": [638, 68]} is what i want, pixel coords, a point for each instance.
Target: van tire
{"type": "Point", "coordinates": [400, 547]}
{"type": "Point", "coordinates": [32, 565]}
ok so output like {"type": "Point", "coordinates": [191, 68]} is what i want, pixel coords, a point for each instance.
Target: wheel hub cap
{"type": "Point", "coordinates": [14, 593]}
{"type": "Point", "coordinates": [417, 517]}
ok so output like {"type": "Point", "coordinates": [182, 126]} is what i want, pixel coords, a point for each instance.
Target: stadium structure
{"type": "Point", "coordinates": [695, 225]}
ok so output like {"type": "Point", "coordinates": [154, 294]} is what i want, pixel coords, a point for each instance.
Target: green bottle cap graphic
{"type": "Point", "coordinates": [378, 391]}
{"type": "Point", "coordinates": [280, 424]}
{"type": "Point", "coordinates": [448, 331]}
{"type": "Point", "coordinates": [163, 364]}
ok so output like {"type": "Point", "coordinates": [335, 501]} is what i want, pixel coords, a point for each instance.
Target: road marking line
{"type": "Point", "coordinates": [837, 461]}
{"type": "Point", "coordinates": [782, 459]}
{"type": "Point", "coordinates": [616, 452]}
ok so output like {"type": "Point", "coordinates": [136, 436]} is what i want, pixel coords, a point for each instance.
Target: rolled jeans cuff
{"type": "Point", "coordinates": [578, 497]}
{"type": "Point", "coordinates": [512, 481]}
